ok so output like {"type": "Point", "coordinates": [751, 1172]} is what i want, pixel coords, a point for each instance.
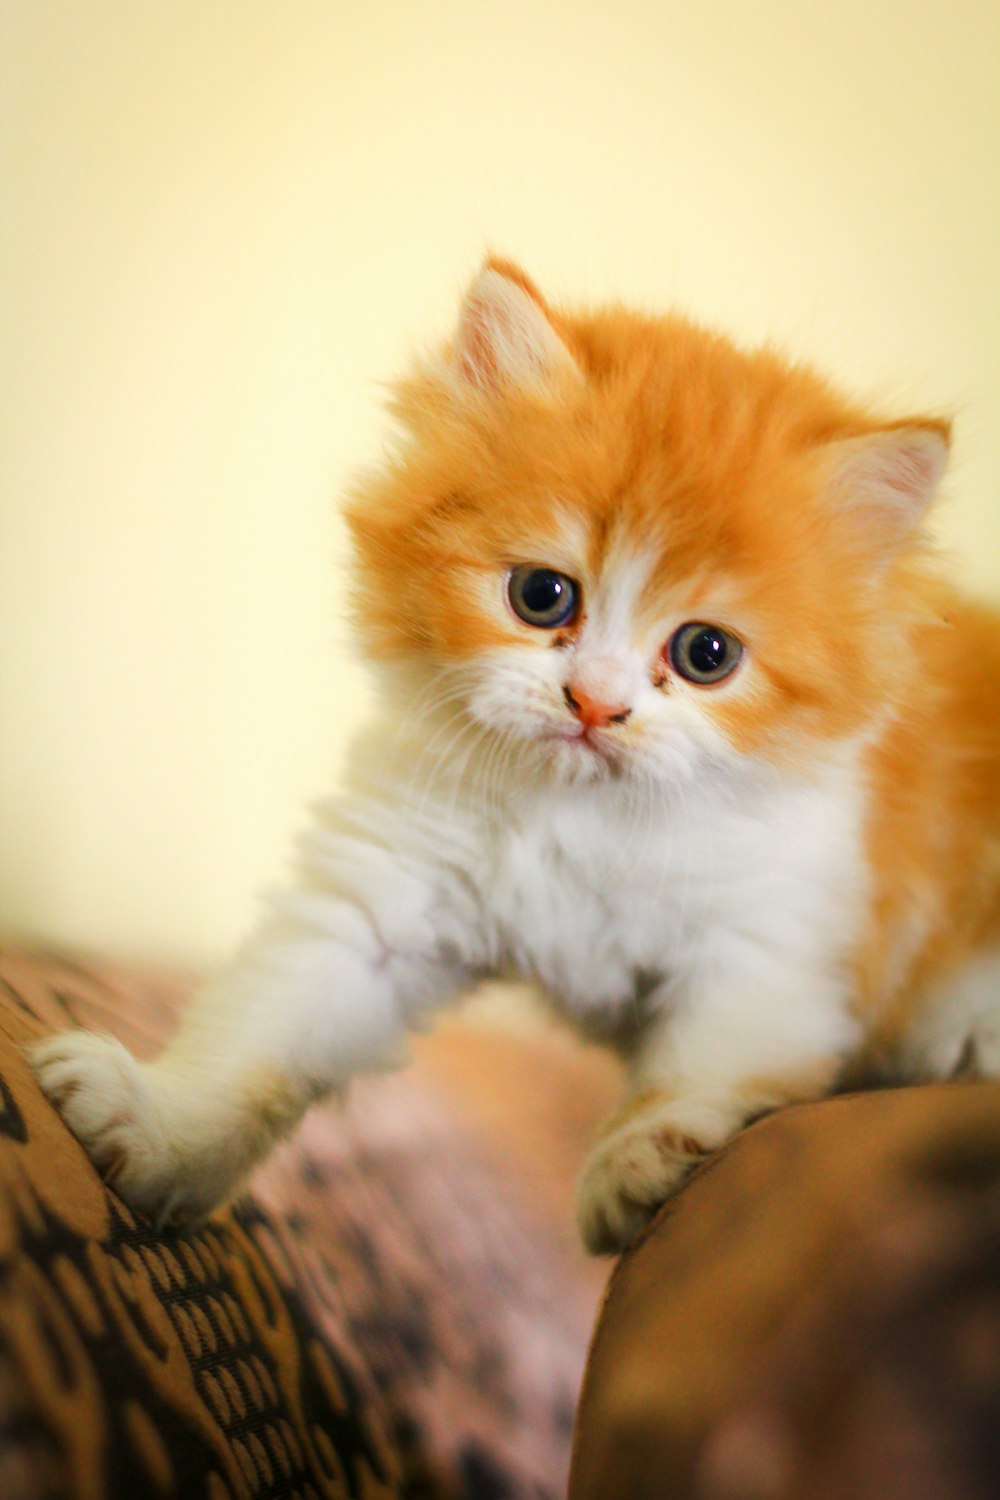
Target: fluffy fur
{"type": "Point", "coordinates": [755, 888]}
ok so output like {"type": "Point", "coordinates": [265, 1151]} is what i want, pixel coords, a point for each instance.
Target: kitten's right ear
{"type": "Point", "coordinates": [505, 338]}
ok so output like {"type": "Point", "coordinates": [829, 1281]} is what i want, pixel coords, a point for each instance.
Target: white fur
{"type": "Point", "coordinates": [647, 872]}
{"type": "Point", "coordinates": [726, 908]}
{"type": "Point", "coordinates": [959, 1026]}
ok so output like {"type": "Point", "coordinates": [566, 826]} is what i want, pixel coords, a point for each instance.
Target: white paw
{"type": "Point", "coordinates": [641, 1160]}
{"type": "Point", "coordinates": [113, 1107]}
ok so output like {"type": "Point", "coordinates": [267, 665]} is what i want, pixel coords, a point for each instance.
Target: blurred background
{"type": "Point", "coordinates": [227, 224]}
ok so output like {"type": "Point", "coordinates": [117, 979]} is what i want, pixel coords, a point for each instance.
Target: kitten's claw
{"type": "Point", "coordinates": [643, 1157]}
{"type": "Point", "coordinates": [109, 1102]}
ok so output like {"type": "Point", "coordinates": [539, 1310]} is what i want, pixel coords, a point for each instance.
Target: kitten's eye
{"type": "Point", "coordinates": [542, 597]}
{"type": "Point", "coordinates": [704, 653]}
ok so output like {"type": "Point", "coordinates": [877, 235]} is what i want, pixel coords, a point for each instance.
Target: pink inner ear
{"type": "Point", "coordinates": [505, 338]}
{"type": "Point", "coordinates": [477, 359]}
{"type": "Point", "coordinates": [892, 475]}
{"type": "Point", "coordinates": [911, 470]}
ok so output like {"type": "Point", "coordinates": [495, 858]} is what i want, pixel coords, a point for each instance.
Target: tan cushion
{"type": "Point", "coordinates": [816, 1315]}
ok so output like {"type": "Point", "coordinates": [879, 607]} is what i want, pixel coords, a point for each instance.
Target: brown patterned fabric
{"type": "Point", "coordinates": [815, 1317]}
{"type": "Point", "coordinates": [395, 1310]}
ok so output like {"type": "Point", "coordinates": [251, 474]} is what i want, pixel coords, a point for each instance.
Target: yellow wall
{"type": "Point", "coordinates": [225, 221]}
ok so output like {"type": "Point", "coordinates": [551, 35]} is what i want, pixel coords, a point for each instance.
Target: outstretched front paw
{"type": "Point", "coordinates": [112, 1107]}
{"type": "Point", "coordinates": [645, 1153]}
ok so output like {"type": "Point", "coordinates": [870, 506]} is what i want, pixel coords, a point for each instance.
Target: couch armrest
{"type": "Point", "coordinates": [816, 1316]}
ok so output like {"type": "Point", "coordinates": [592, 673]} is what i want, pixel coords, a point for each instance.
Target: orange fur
{"type": "Point", "coordinates": [713, 458]}
{"type": "Point", "coordinates": [721, 764]}
{"type": "Point", "coordinates": [934, 837]}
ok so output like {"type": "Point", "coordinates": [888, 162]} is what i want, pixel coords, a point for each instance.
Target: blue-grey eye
{"type": "Point", "coordinates": [703, 653]}
{"type": "Point", "coordinates": [542, 597]}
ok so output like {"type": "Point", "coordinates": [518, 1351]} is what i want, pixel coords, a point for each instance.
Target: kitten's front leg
{"type": "Point", "coordinates": [323, 992]}
{"type": "Point", "coordinates": [174, 1137]}
{"type": "Point", "coordinates": [699, 1075]}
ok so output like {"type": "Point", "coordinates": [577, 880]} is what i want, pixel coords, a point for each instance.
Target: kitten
{"type": "Point", "coordinates": [677, 722]}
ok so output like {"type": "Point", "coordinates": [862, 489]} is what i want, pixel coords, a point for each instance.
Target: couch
{"type": "Point", "coordinates": [397, 1308]}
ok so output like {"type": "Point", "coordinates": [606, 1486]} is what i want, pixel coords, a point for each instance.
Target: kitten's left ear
{"type": "Point", "coordinates": [505, 337]}
{"type": "Point", "coordinates": [888, 477]}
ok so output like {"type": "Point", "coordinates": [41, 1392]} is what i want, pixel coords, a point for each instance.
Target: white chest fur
{"type": "Point", "coordinates": [598, 896]}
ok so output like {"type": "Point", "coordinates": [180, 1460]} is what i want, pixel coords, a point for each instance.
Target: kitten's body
{"type": "Point", "coordinates": [752, 884]}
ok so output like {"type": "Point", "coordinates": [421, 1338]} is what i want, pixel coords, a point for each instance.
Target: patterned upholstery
{"type": "Point", "coordinates": [395, 1309]}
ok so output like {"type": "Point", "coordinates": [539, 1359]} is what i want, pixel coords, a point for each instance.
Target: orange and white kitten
{"type": "Point", "coordinates": [677, 721]}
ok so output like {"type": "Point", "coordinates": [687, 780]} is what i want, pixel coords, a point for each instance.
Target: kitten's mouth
{"type": "Point", "coordinates": [586, 739]}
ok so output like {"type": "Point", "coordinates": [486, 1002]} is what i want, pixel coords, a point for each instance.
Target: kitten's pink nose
{"type": "Point", "coordinates": [591, 713]}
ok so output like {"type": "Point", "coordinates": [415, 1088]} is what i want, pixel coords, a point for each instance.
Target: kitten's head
{"type": "Point", "coordinates": [623, 546]}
